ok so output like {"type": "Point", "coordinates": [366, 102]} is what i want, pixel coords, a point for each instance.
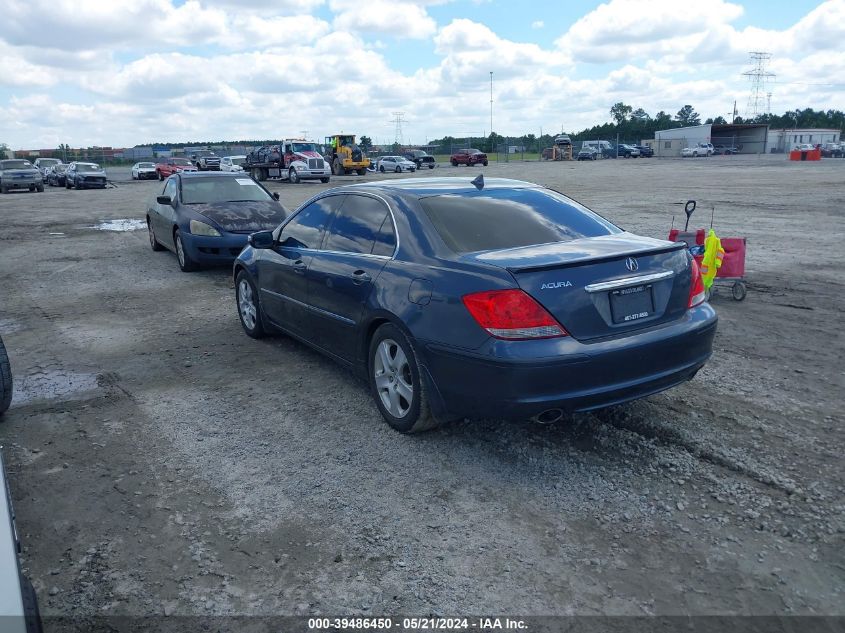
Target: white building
{"type": "Point", "coordinates": [748, 138]}
{"type": "Point", "coordinates": [785, 139]}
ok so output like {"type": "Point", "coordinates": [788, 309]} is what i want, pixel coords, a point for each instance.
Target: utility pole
{"type": "Point", "coordinates": [492, 138]}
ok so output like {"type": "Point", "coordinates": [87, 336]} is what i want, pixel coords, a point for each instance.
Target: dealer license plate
{"type": "Point", "coordinates": [631, 304]}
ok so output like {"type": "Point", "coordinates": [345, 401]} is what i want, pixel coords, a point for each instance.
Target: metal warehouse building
{"type": "Point", "coordinates": [751, 138]}
{"type": "Point", "coordinates": [785, 139]}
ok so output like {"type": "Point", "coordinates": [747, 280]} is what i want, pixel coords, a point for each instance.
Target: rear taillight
{"type": "Point", "coordinates": [696, 292]}
{"type": "Point", "coordinates": [512, 314]}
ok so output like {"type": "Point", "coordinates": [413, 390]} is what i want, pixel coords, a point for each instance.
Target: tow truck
{"type": "Point", "coordinates": [293, 160]}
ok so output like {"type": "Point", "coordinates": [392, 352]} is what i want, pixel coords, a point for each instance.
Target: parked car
{"type": "Point", "coordinates": [205, 160]}
{"type": "Point", "coordinates": [724, 150]}
{"type": "Point", "coordinates": [397, 164]}
{"type": "Point", "coordinates": [232, 163]}
{"type": "Point", "coordinates": [627, 151]}
{"type": "Point", "coordinates": [468, 157]}
{"type": "Point", "coordinates": [56, 175]}
{"type": "Point", "coordinates": [420, 158]}
{"type": "Point", "coordinates": [17, 173]}
{"type": "Point", "coordinates": [166, 167]}
{"type": "Point", "coordinates": [205, 218]}
{"type": "Point", "coordinates": [645, 151]}
{"type": "Point", "coordinates": [81, 175]}
{"type": "Point", "coordinates": [702, 149]}
{"type": "Point", "coordinates": [144, 171]}
{"type": "Point", "coordinates": [5, 379]}
{"type": "Point", "coordinates": [604, 148]}
{"type": "Point", "coordinates": [18, 601]}
{"type": "Point", "coordinates": [588, 153]}
{"type": "Point", "coordinates": [44, 165]}
{"type": "Point", "coordinates": [557, 310]}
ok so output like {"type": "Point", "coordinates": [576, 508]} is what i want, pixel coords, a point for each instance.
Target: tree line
{"type": "Point", "coordinates": [632, 125]}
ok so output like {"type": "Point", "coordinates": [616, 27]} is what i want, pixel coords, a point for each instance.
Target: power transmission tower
{"type": "Point", "coordinates": [758, 76]}
{"type": "Point", "coordinates": [398, 120]}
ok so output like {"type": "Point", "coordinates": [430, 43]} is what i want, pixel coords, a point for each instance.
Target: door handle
{"type": "Point", "coordinates": [299, 267]}
{"type": "Point", "coordinates": [360, 276]}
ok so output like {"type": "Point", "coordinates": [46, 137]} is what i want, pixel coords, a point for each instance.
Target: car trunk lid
{"type": "Point", "coordinates": [601, 286]}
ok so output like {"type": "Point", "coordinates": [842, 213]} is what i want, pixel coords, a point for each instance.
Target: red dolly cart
{"type": "Point", "coordinates": [732, 271]}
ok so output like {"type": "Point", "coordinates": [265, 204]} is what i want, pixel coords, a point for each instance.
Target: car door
{"type": "Point", "coordinates": [282, 281]}
{"type": "Point", "coordinates": [358, 244]}
{"type": "Point", "coordinates": [164, 217]}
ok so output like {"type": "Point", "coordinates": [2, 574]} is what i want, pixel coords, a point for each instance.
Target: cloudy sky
{"type": "Point", "coordinates": [121, 72]}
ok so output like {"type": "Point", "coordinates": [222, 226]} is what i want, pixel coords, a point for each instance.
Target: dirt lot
{"type": "Point", "coordinates": [161, 462]}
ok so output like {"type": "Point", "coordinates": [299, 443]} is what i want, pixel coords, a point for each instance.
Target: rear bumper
{"type": "Point", "coordinates": [214, 250]}
{"type": "Point", "coordinates": [520, 379]}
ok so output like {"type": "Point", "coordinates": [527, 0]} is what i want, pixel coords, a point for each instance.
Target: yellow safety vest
{"type": "Point", "coordinates": [713, 255]}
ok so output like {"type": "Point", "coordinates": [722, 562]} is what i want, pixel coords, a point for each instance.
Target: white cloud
{"type": "Point", "coordinates": [538, 24]}
{"type": "Point", "coordinates": [222, 69]}
{"type": "Point", "coordinates": [386, 17]}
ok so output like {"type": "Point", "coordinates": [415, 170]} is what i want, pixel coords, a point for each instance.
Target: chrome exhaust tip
{"type": "Point", "coordinates": [550, 416]}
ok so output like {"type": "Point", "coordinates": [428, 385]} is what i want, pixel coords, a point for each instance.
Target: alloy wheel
{"type": "Point", "coordinates": [392, 374]}
{"type": "Point", "coordinates": [180, 251]}
{"type": "Point", "coordinates": [246, 304]}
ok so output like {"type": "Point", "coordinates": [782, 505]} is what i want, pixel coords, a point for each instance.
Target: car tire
{"type": "Point", "coordinates": [5, 379]}
{"type": "Point", "coordinates": [362, 172]}
{"type": "Point", "coordinates": [186, 264]}
{"type": "Point", "coordinates": [154, 243]}
{"type": "Point", "coordinates": [431, 166]}
{"type": "Point", "coordinates": [381, 168]}
{"type": "Point", "coordinates": [393, 368]}
{"type": "Point", "coordinates": [324, 180]}
{"type": "Point", "coordinates": [485, 163]}
{"type": "Point", "coordinates": [398, 169]}
{"type": "Point", "coordinates": [40, 188]}
{"type": "Point", "coordinates": [454, 163]}
{"type": "Point", "coordinates": [293, 177]}
{"type": "Point", "coordinates": [247, 303]}
{"type": "Point", "coordinates": [160, 176]}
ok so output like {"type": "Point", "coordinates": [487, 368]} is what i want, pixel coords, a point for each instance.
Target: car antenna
{"type": "Point", "coordinates": [478, 181]}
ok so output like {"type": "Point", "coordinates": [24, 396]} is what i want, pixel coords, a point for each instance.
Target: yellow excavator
{"type": "Point", "coordinates": [344, 155]}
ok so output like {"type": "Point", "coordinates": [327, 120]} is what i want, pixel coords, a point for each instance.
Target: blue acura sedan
{"type": "Point", "coordinates": [205, 217]}
{"type": "Point", "coordinates": [473, 298]}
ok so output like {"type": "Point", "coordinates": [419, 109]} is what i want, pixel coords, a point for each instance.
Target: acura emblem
{"type": "Point", "coordinates": [631, 264]}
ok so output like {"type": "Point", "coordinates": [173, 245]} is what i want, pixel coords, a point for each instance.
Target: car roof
{"type": "Point", "coordinates": [210, 174]}
{"type": "Point", "coordinates": [423, 187]}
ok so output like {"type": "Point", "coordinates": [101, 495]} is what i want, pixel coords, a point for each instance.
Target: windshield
{"type": "Point", "coordinates": [146, 165]}
{"type": "Point", "coordinates": [15, 164]}
{"type": "Point", "coordinates": [87, 167]}
{"type": "Point", "coordinates": [222, 189]}
{"type": "Point", "coordinates": [522, 217]}
{"type": "Point", "coordinates": [182, 161]}
{"type": "Point", "coordinates": [238, 160]}
{"type": "Point", "coordinates": [60, 167]}
{"type": "Point", "coordinates": [304, 147]}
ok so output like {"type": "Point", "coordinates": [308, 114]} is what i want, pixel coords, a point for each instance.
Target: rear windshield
{"type": "Point", "coordinates": [510, 218]}
{"type": "Point", "coordinates": [15, 164]}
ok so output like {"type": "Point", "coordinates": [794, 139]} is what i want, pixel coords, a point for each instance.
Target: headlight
{"type": "Point", "coordinates": [201, 228]}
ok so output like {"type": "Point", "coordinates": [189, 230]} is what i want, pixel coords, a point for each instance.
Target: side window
{"type": "Point", "coordinates": [306, 229]}
{"type": "Point", "coordinates": [357, 225]}
{"type": "Point", "coordinates": [170, 188]}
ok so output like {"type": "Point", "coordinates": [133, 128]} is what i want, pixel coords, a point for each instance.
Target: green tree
{"type": "Point", "coordinates": [640, 115]}
{"type": "Point", "coordinates": [719, 120]}
{"type": "Point", "coordinates": [620, 112]}
{"type": "Point", "coordinates": [366, 143]}
{"type": "Point", "coordinates": [687, 116]}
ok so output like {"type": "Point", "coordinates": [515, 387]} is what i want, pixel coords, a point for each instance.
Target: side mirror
{"type": "Point", "coordinates": [164, 200]}
{"type": "Point", "coordinates": [261, 239]}
{"type": "Point", "coordinates": [275, 195]}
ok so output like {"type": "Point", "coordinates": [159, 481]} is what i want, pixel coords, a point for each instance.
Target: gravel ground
{"type": "Point", "coordinates": [161, 462]}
